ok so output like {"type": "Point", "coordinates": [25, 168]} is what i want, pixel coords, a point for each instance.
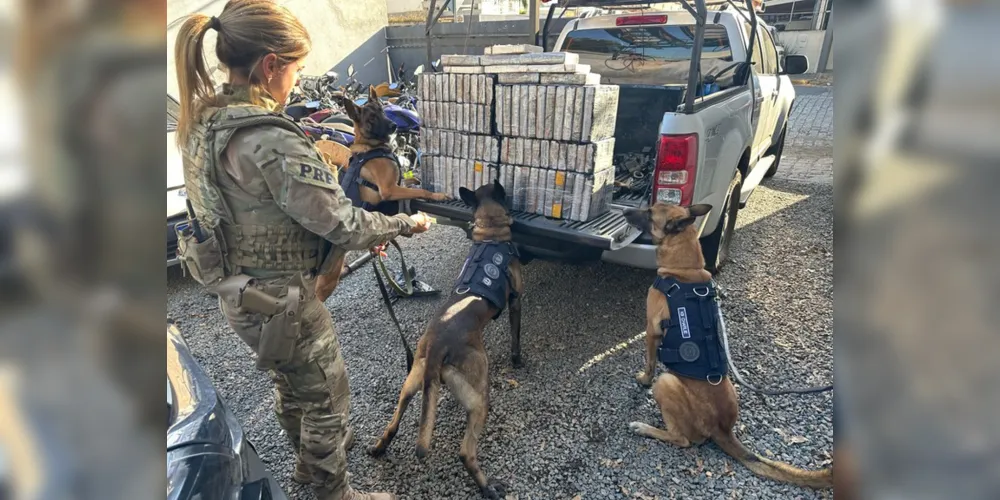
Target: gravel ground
{"type": "Point", "coordinates": [555, 432]}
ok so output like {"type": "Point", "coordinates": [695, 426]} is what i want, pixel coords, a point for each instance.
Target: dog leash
{"type": "Point", "coordinates": [392, 314]}
{"type": "Point", "coordinates": [739, 377]}
{"type": "Point", "coordinates": [407, 288]}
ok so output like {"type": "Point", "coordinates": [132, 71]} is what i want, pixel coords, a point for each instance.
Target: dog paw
{"type": "Point", "coordinates": [377, 450]}
{"type": "Point", "coordinates": [638, 428]}
{"type": "Point", "coordinates": [440, 197]}
{"type": "Point", "coordinates": [495, 490]}
{"type": "Point", "coordinates": [421, 453]}
{"type": "Point", "coordinates": [644, 379]}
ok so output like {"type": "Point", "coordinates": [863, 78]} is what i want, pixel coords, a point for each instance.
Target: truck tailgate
{"type": "Point", "coordinates": [608, 232]}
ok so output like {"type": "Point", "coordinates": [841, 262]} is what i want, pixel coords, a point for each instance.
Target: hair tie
{"type": "Point", "coordinates": [215, 24]}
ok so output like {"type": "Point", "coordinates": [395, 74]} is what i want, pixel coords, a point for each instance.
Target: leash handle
{"type": "Point", "coordinates": [392, 315]}
{"type": "Point", "coordinates": [739, 377]}
{"type": "Point", "coordinates": [406, 289]}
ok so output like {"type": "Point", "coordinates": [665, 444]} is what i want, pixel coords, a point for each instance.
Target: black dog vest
{"type": "Point", "coordinates": [352, 181]}
{"type": "Point", "coordinates": [691, 346]}
{"type": "Point", "coordinates": [486, 273]}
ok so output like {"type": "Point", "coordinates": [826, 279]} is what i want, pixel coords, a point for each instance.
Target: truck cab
{"type": "Point", "coordinates": [681, 136]}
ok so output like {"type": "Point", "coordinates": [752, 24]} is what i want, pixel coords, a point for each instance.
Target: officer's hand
{"type": "Point", "coordinates": [423, 223]}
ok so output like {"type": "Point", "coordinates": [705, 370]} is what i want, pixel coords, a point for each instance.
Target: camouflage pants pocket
{"type": "Point", "coordinates": [314, 388]}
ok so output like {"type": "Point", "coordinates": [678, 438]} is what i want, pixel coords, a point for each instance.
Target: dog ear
{"type": "Point", "coordinates": [373, 95]}
{"type": "Point", "coordinates": [469, 197]}
{"type": "Point", "coordinates": [499, 194]}
{"type": "Point", "coordinates": [677, 225]}
{"type": "Point", "coordinates": [353, 111]}
{"type": "Point", "coordinates": [700, 209]}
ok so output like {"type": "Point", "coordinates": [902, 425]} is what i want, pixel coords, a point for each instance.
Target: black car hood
{"type": "Point", "coordinates": [202, 434]}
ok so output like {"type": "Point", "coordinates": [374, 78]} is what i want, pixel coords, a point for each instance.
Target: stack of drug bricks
{"type": "Point", "coordinates": [555, 125]}
{"type": "Point", "coordinates": [456, 141]}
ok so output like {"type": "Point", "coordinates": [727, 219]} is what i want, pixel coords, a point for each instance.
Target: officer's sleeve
{"type": "Point", "coordinates": [304, 187]}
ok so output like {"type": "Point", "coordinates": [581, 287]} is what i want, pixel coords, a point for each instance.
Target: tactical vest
{"type": "Point", "coordinates": [486, 273]}
{"type": "Point", "coordinates": [691, 346]}
{"type": "Point", "coordinates": [352, 181]}
{"type": "Point", "coordinates": [262, 239]}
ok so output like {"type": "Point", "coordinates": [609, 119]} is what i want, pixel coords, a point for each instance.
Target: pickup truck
{"type": "Point", "coordinates": [699, 120]}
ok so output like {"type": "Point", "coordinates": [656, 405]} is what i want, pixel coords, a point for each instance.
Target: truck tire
{"type": "Point", "coordinates": [780, 148]}
{"type": "Point", "coordinates": [715, 247]}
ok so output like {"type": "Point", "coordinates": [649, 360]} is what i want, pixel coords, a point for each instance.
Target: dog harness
{"type": "Point", "coordinates": [352, 181]}
{"type": "Point", "coordinates": [691, 346]}
{"type": "Point", "coordinates": [486, 273]}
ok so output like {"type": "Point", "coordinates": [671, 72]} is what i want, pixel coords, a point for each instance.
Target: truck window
{"type": "Point", "coordinates": [758, 54]}
{"type": "Point", "coordinates": [650, 55]}
{"type": "Point", "coordinates": [770, 52]}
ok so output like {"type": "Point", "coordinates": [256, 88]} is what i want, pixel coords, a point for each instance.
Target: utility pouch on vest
{"type": "Point", "coordinates": [203, 259]}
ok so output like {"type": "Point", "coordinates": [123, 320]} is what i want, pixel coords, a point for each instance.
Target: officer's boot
{"type": "Point", "coordinates": [303, 475]}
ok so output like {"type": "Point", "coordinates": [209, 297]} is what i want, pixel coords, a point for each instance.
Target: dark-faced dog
{"type": "Point", "coordinates": [378, 185]}
{"type": "Point", "coordinates": [694, 410]}
{"type": "Point", "coordinates": [451, 349]}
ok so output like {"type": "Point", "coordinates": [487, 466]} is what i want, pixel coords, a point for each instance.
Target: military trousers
{"type": "Point", "coordinates": [311, 393]}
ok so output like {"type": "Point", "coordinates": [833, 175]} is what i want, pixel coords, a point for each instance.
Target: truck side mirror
{"type": "Point", "coordinates": [795, 64]}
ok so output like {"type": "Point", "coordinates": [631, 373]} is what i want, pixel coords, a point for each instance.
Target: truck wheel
{"type": "Point", "coordinates": [715, 247]}
{"type": "Point", "coordinates": [777, 155]}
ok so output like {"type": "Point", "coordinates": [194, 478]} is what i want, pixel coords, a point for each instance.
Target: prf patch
{"type": "Point", "coordinates": [315, 175]}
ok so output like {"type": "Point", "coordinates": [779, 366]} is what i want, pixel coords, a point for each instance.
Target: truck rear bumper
{"type": "Point", "coordinates": [640, 255]}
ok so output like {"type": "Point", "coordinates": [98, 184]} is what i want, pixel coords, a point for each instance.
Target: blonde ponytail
{"type": "Point", "coordinates": [248, 31]}
{"type": "Point", "coordinates": [193, 79]}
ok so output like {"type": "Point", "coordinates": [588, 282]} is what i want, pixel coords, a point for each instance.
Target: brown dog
{"type": "Point", "coordinates": [451, 350]}
{"type": "Point", "coordinates": [372, 130]}
{"type": "Point", "coordinates": [695, 410]}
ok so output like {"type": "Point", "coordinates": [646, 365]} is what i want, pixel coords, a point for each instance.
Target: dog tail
{"type": "Point", "coordinates": [428, 410]}
{"type": "Point", "coordinates": [778, 471]}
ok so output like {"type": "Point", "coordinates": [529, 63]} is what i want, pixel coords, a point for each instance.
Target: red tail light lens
{"type": "Point", "coordinates": [676, 164]}
{"type": "Point", "coordinates": [634, 20]}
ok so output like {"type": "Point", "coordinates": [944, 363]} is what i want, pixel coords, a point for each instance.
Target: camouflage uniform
{"type": "Point", "coordinates": [266, 193]}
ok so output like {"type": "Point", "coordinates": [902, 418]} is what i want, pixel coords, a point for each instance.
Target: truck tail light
{"type": "Point", "coordinates": [676, 163]}
{"type": "Point", "coordinates": [635, 20]}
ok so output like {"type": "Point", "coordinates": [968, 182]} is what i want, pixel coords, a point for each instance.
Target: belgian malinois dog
{"type": "Point", "coordinates": [451, 350]}
{"type": "Point", "coordinates": [372, 130]}
{"type": "Point", "coordinates": [695, 410]}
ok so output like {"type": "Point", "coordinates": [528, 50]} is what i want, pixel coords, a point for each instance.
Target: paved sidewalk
{"type": "Point", "coordinates": [808, 155]}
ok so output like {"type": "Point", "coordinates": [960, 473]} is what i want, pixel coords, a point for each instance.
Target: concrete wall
{"type": "Point", "coordinates": [807, 43]}
{"type": "Point", "coordinates": [400, 6]}
{"type": "Point", "coordinates": [343, 32]}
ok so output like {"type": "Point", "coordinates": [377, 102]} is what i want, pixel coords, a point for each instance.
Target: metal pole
{"type": "Point", "coordinates": [824, 54]}
{"type": "Point", "coordinates": [819, 14]}
{"type": "Point", "coordinates": [533, 20]}
{"type": "Point", "coordinates": [694, 77]}
{"type": "Point", "coordinates": [427, 31]}
{"type": "Point", "coordinates": [545, 29]}
{"type": "Point", "coordinates": [431, 21]}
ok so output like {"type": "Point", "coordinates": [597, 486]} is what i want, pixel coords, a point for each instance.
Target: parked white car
{"type": "Point", "coordinates": [176, 195]}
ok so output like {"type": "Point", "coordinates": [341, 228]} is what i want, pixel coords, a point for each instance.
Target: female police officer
{"type": "Point", "coordinates": [268, 213]}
